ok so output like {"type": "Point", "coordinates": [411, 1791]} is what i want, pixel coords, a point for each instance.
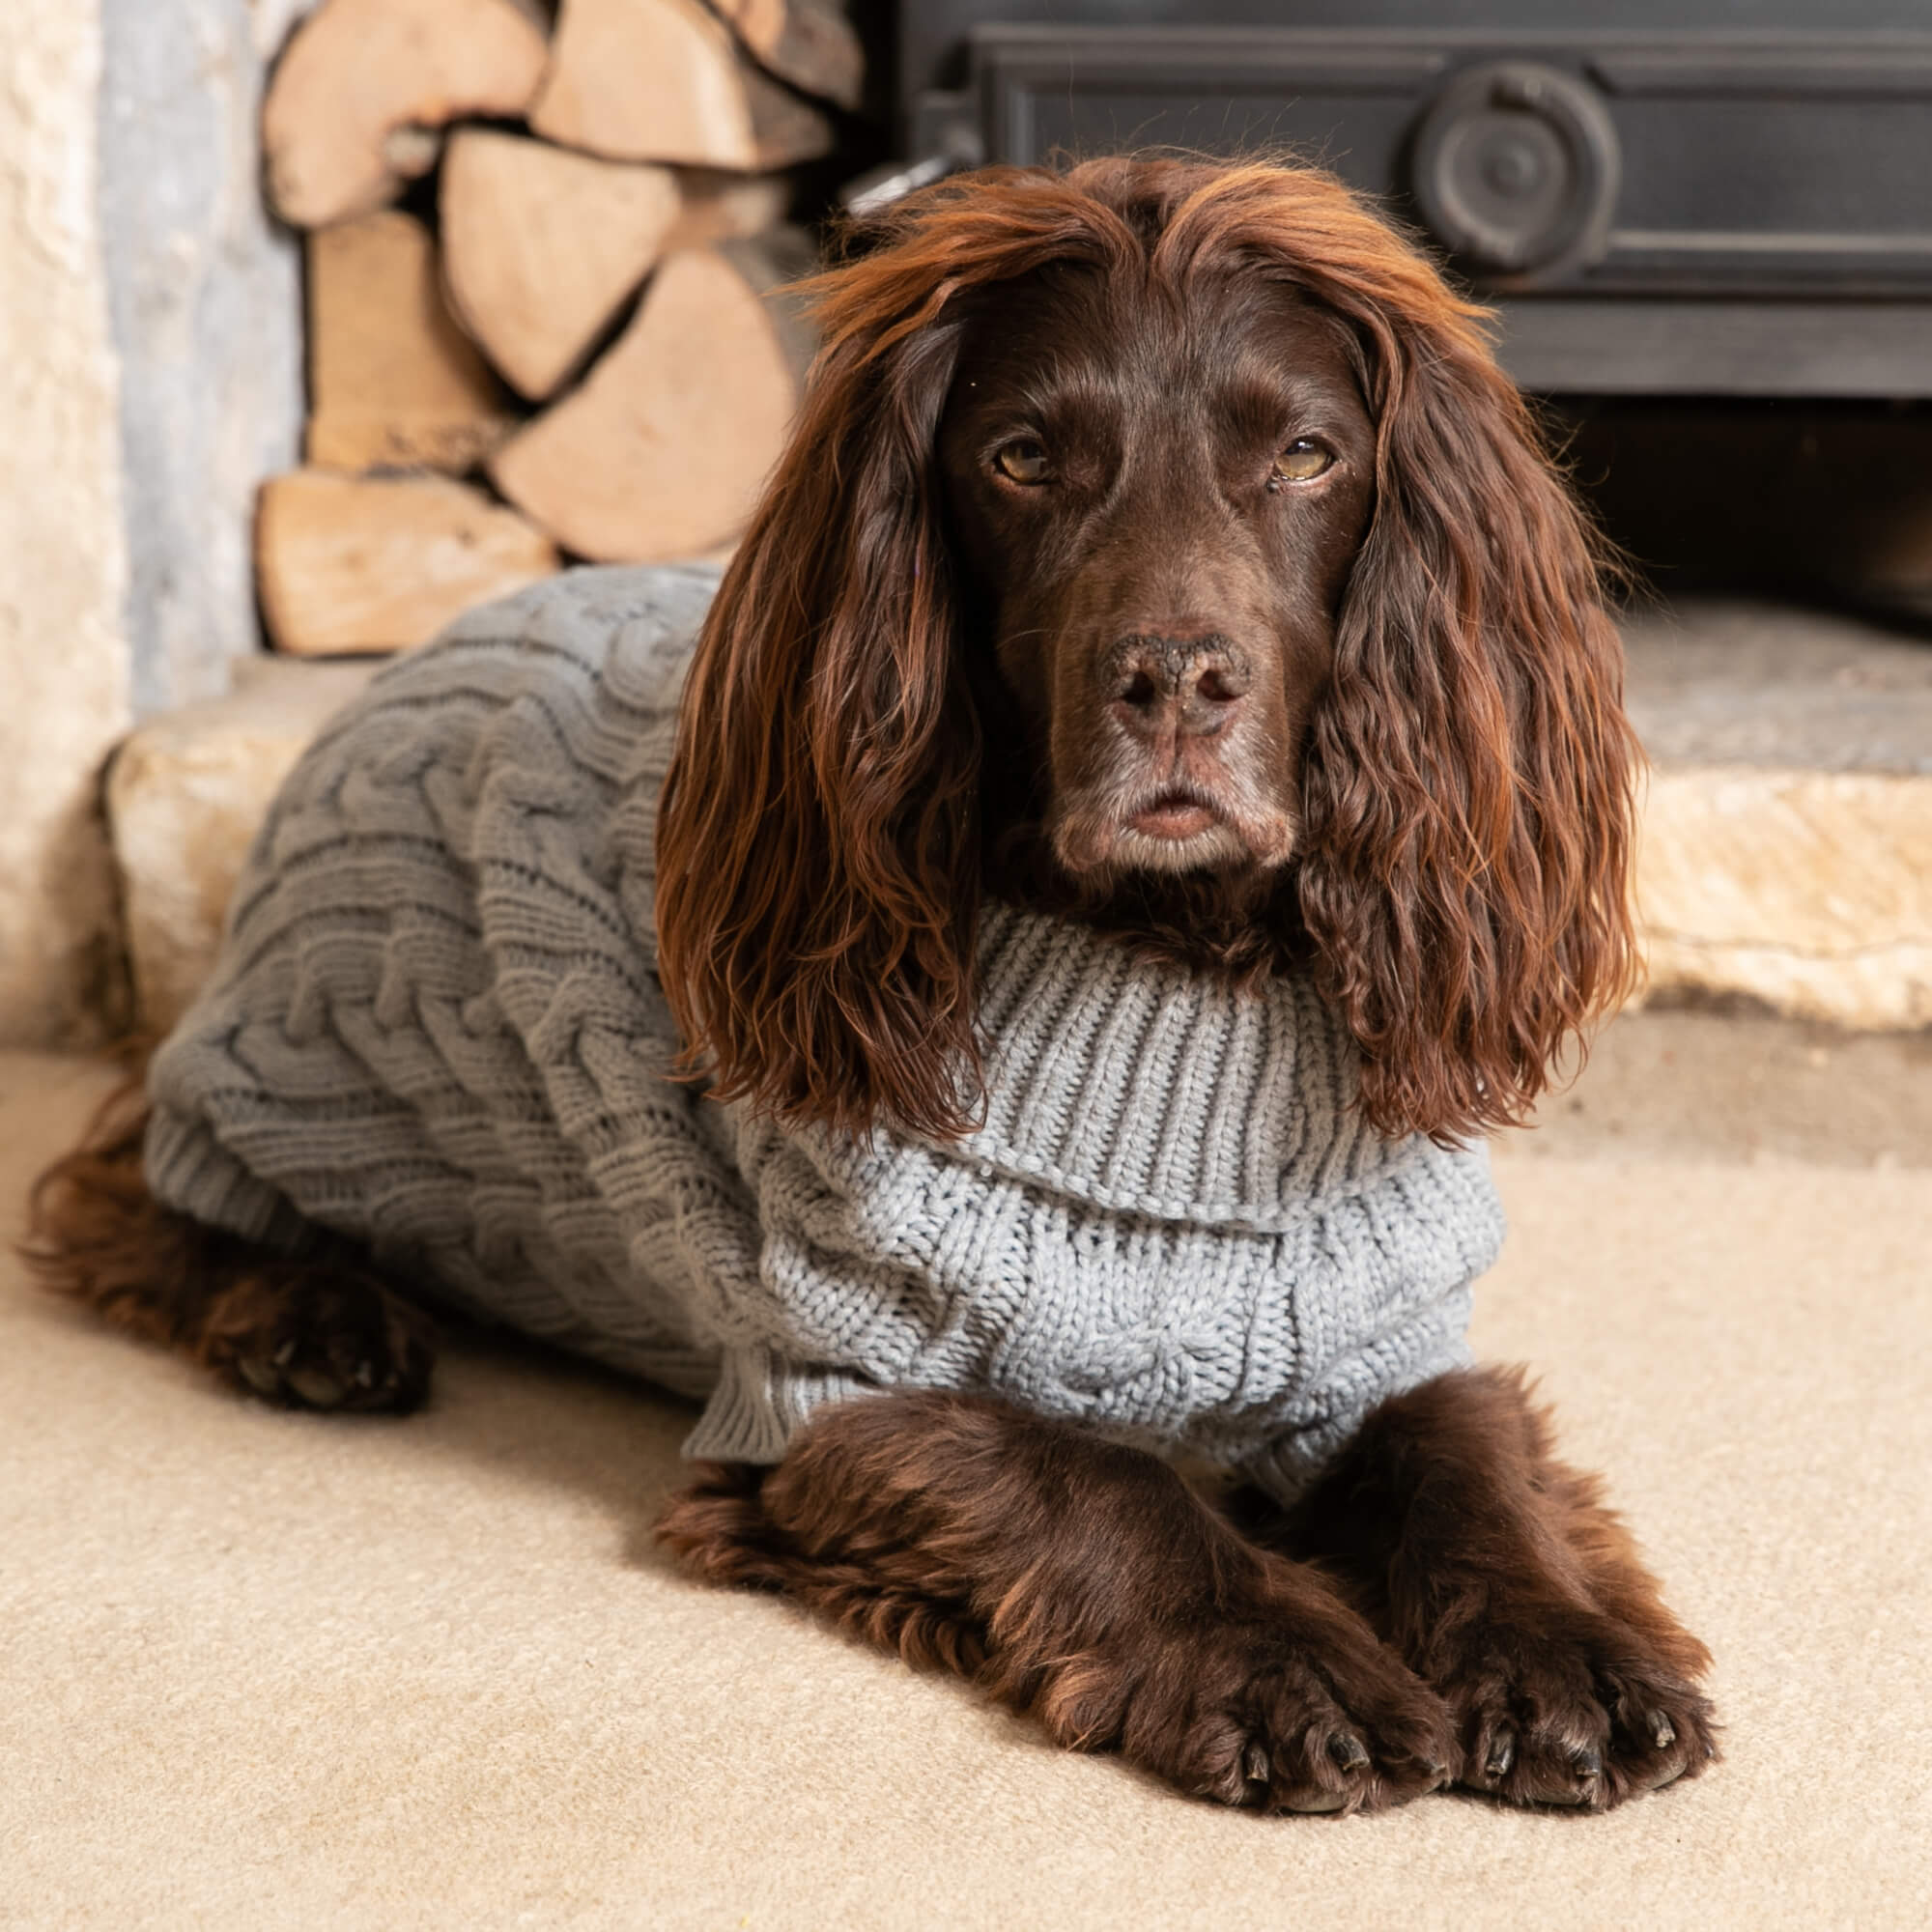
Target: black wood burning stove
{"type": "Point", "coordinates": [1662, 196]}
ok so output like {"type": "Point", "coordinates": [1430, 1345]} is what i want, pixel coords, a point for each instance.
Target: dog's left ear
{"type": "Point", "coordinates": [1469, 783]}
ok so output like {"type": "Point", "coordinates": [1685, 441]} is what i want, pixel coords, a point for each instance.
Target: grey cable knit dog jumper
{"type": "Point", "coordinates": [437, 1028]}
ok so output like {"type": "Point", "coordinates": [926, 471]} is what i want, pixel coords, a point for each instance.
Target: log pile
{"type": "Point", "coordinates": [572, 338]}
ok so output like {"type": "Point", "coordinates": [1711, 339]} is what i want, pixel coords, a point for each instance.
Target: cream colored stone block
{"type": "Point", "coordinates": [186, 795]}
{"type": "Point", "coordinates": [1808, 889]}
{"type": "Point", "coordinates": [63, 549]}
{"type": "Point", "coordinates": [1805, 887]}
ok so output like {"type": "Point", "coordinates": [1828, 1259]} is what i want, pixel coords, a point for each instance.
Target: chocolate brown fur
{"type": "Point", "coordinates": [1082, 1584]}
{"type": "Point", "coordinates": [320, 1331]}
{"type": "Point", "coordinates": [1396, 697]}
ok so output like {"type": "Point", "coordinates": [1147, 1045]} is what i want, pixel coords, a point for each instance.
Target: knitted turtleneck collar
{"type": "Point", "coordinates": [1146, 1088]}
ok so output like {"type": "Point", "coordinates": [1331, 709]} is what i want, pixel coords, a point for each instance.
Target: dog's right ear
{"type": "Point", "coordinates": [818, 838]}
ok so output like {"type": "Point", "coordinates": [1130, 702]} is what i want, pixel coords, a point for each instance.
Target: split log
{"type": "Point", "coordinates": [394, 381]}
{"type": "Point", "coordinates": [808, 42]}
{"type": "Point", "coordinates": [382, 563]}
{"type": "Point", "coordinates": [662, 451]}
{"type": "Point", "coordinates": [663, 80]}
{"type": "Point", "coordinates": [541, 246]}
{"type": "Point", "coordinates": [363, 84]}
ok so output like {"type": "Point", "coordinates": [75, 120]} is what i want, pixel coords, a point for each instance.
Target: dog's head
{"type": "Point", "coordinates": [1158, 473]}
{"type": "Point", "coordinates": [1160, 541]}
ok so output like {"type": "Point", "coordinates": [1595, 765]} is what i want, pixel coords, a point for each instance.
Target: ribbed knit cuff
{"type": "Point", "coordinates": [1433, 1344]}
{"type": "Point", "coordinates": [760, 1403]}
{"type": "Point", "coordinates": [189, 1170]}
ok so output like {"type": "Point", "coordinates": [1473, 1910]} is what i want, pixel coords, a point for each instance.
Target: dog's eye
{"type": "Point", "coordinates": [1302, 462]}
{"type": "Point", "coordinates": [1023, 460]}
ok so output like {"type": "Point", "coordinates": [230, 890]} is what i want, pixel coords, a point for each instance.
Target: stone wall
{"type": "Point", "coordinates": [205, 298]}
{"type": "Point", "coordinates": [149, 375]}
{"type": "Point", "coordinates": [65, 665]}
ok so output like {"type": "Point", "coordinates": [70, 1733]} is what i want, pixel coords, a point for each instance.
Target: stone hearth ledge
{"type": "Point", "coordinates": [1786, 848]}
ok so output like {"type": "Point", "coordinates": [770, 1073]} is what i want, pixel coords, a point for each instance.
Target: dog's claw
{"type": "Point", "coordinates": [284, 1355]}
{"type": "Point", "coordinates": [259, 1377]}
{"type": "Point", "coordinates": [318, 1390]}
{"type": "Point", "coordinates": [1255, 1764]}
{"type": "Point", "coordinates": [1662, 1732]}
{"type": "Point", "coordinates": [1347, 1750]}
{"type": "Point", "coordinates": [1502, 1755]}
{"type": "Point", "coordinates": [1586, 1768]}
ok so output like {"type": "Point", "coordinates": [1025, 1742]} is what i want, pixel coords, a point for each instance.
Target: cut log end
{"type": "Point", "coordinates": [363, 85]}
{"type": "Point", "coordinates": [394, 381]}
{"type": "Point", "coordinates": [663, 80]}
{"type": "Point", "coordinates": [372, 563]}
{"type": "Point", "coordinates": [808, 42]}
{"type": "Point", "coordinates": [542, 246]}
{"type": "Point", "coordinates": [661, 453]}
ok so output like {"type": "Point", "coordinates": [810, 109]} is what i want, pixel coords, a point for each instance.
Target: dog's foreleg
{"type": "Point", "coordinates": [1081, 1582]}
{"type": "Point", "coordinates": [1506, 1583]}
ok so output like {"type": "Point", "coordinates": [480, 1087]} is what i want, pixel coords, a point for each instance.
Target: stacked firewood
{"type": "Point", "coordinates": [573, 339]}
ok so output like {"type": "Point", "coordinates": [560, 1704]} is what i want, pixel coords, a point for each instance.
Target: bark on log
{"type": "Point", "coordinates": [662, 451]}
{"type": "Point", "coordinates": [541, 246]}
{"type": "Point", "coordinates": [363, 84]}
{"type": "Point", "coordinates": [808, 42]}
{"type": "Point", "coordinates": [394, 381]}
{"type": "Point", "coordinates": [663, 80]}
{"type": "Point", "coordinates": [379, 563]}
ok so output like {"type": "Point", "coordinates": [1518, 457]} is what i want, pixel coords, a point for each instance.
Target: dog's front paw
{"type": "Point", "coordinates": [1331, 1731]}
{"type": "Point", "coordinates": [1269, 1716]}
{"type": "Point", "coordinates": [1559, 1705]}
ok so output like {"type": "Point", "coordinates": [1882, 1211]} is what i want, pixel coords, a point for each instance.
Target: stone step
{"type": "Point", "coordinates": [186, 792]}
{"type": "Point", "coordinates": [1786, 850]}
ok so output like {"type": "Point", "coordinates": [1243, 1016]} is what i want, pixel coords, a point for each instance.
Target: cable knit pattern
{"type": "Point", "coordinates": [437, 1028]}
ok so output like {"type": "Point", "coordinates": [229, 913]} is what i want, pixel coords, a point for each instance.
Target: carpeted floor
{"type": "Point", "coordinates": [269, 1670]}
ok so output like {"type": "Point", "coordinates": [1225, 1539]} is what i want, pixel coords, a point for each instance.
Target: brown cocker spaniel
{"type": "Point", "coordinates": [1160, 547]}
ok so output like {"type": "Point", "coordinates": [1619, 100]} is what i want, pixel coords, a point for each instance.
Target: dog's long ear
{"type": "Point", "coordinates": [1467, 795]}
{"type": "Point", "coordinates": [1470, 790]}
{"type": "Point", "coordinates": [818, 840]}
{"type": "Point", "coordinates": [818, 854]}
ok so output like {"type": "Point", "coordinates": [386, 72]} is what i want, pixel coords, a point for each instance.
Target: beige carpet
{"type": "Point", "coordinates": [263, 1670]}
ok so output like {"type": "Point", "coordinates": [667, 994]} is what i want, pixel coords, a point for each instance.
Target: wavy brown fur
{"type": "Point", "coordinates": [1467, 791]}
{"type": "Point", "coordinates": [1502, 1579]}
{"type": "Point", "coordinates": [1083, 1584]}
{"type": "Point", "coordinates": [1450, 1601]}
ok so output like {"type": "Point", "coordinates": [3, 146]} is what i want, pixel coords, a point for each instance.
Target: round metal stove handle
{"type": "Point", "coordinates": [1516, 168]}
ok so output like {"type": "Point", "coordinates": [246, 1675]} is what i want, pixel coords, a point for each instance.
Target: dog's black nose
{"type": "Point", "coordinates": [1160, 685]}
